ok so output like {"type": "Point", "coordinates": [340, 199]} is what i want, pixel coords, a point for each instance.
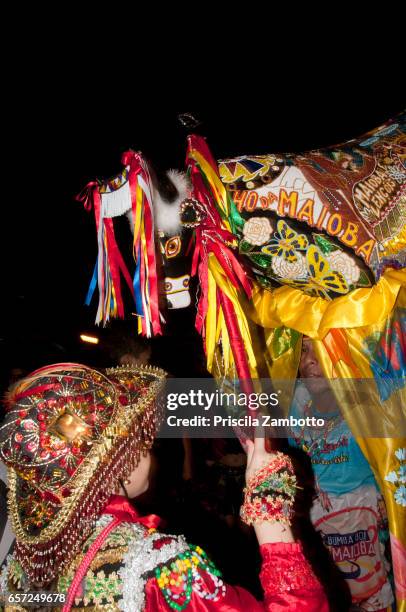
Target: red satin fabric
{"type": "Point", "coordinates": [288, 580]}
{"type": "Point", "coordinates": [87, 194]}
{"type": "Point", "coordinates": [286, 577]}
{"type": "Point", "coordinates": [305, 594]}
{"type": "Point", "coordinates": [119, 507]}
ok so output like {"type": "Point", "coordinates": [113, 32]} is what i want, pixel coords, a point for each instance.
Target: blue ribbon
{"type": "Point", "coordinates": [92, 286]}
{"type": "Point", "coordinates": [136, 284]}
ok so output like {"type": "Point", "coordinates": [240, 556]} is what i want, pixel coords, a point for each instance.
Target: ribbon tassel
{"type": "Point", "coordinates": [220, 317]}
{"type": "Point", "coordinates": [134, 195]}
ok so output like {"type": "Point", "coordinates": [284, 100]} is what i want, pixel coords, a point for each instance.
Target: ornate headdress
{"type": "Point", "coordinates": [70, 434]}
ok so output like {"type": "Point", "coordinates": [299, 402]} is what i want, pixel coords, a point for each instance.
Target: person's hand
{"type": "Point", "coordinates": [257, 456]}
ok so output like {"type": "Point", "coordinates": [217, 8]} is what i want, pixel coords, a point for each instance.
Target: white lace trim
{"type": "Point", "coordinates": [140, 559]}
{"type": "Point", "coordinates": [3, 575]}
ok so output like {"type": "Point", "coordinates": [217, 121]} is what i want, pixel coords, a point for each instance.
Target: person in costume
{"type": "Point", "coordinates": [76, 443]}
{"type": "Point", "coordinates": [349, 510]}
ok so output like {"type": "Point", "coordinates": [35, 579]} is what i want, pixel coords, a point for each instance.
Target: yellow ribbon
{"type": "Point", "coordinates": [217, 187]}
{"type": "Point", "coordinates": [221, 280]}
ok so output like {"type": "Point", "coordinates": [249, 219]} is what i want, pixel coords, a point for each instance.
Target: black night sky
{"type": "Point", "coordinates": [63, 136]}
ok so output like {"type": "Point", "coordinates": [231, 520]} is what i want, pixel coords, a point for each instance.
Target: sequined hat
{"type": "Point", "coordinates": [70, 435]}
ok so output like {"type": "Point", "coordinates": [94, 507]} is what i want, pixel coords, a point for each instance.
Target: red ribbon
{"type": "Point", "coordinates": [120, 508]}
{"type": "Point", "coordinates": [212, 237]}
{"type": "Point", "coordinates": [134, 160]}
{"type": "Point", "coordinates": [198, 143]}
{"type": "Point", "coordinates": [34, 390]}
{"type": "Point", "coordinates": [237, 344]}
{"type": "Point", "coordinates": [86, 196]}
{"type": "Point", "coordinates": [116, 264]}
{"type": "Point", "coordinates": [203, 301]}
{"type": "Point", "coordinates": [152, 275]}
{"type": "Point", "coordinates": [112, 253]}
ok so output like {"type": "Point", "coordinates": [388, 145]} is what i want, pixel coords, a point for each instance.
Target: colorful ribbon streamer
{"type": "Point", "coordinates": [110, 265]}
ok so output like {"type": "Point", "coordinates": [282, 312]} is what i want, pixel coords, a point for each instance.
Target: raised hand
{"type": "Point", "coordinates": [257, 456]}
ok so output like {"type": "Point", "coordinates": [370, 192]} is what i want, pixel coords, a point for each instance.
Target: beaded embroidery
{"type": "Point", "coordinates": [175, 565]}
{"type": "Point", "coordinates": [179, 578]}
{"type": "Point", "coordinates": [70, 434]}
{"type": "Point", "coordinates": [270, 492]}
{"type": "Point", "coordinates": [99, 587]}
{"type": "Point", "coordinates": [144, 556]}
{"type": "Point", "coordinates": [121, 536]}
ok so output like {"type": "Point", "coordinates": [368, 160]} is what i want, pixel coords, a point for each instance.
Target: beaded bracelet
{"type": "Point", "coordinates": [270, 493]}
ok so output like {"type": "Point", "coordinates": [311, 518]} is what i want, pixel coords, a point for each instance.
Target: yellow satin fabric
{"type": "Point", "coordinates": [314, 317]}
{"type": "Point", "coordinates": [339, 330]}
{"type": "Point", "coordinates": [379, 452]}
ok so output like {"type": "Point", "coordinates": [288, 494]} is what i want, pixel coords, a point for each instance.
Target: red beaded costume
{"type": "Point", "coordinates": [70, 435]}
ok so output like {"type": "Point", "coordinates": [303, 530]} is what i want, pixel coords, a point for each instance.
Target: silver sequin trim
{"type": "Point", "coordinates": [140, 559]}
{"type": "Point", "coordinates": [3, 575]}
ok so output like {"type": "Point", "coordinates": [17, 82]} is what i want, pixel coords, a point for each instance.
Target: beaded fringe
{"type": "Point", "coordinates": [44, 562]}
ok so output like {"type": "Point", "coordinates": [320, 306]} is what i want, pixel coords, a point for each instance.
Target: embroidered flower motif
{"type": "Point", "coordinates": [342, 262]}
{"type": "Point", "coordinates": [257, 230]}
{"type": "Point", "coordinates": [399, 476]}
{"type": "Point", "coordinates": [400, 496]}
{"type": "Point", "coordinates": [320, 278]}
{"type": "Point", "coordinates": [99, 587]}
{"type": "Point", "coordinates": [401, 454]}
{"type": "Point", "coordinates": [286, 243]}
{"type": "Point", "coordinates": [392, 477]}
{"type": "Point", "coordinates": [402, 474]}
{"type": "Point", "coordinates": [287, 269]}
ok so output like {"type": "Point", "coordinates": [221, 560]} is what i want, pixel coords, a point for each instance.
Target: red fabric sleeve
{"type": "Point", "coordinates": [287, 579]}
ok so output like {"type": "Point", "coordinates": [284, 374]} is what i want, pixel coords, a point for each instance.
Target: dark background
{"type": "Point", "coordinates": [67, 132]}
{"type": "Point", "coordinates": [65, 128]}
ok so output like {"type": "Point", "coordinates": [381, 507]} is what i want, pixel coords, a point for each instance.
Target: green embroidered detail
{"type": "Point", "coordinates": [96, 586]}
{"type": "Point", "coordinates": [324, 244]}
{"type": "Point", "coordinates": [16, 574]}
{"type": "Point", "coordinates": [363, 280]}
{"type": "Point", "coordinates": [99, 586]}
{"type": "Point", "coordinates": [177, 578]}
{"type": "Point", "coordinates": [262, 261]}
{"type": "Point", "coordinates": [245, 247]}
{"type": "Point", "coordinates": [121, 536]}
{"type": "Point", "coordinates": [64, 582]}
